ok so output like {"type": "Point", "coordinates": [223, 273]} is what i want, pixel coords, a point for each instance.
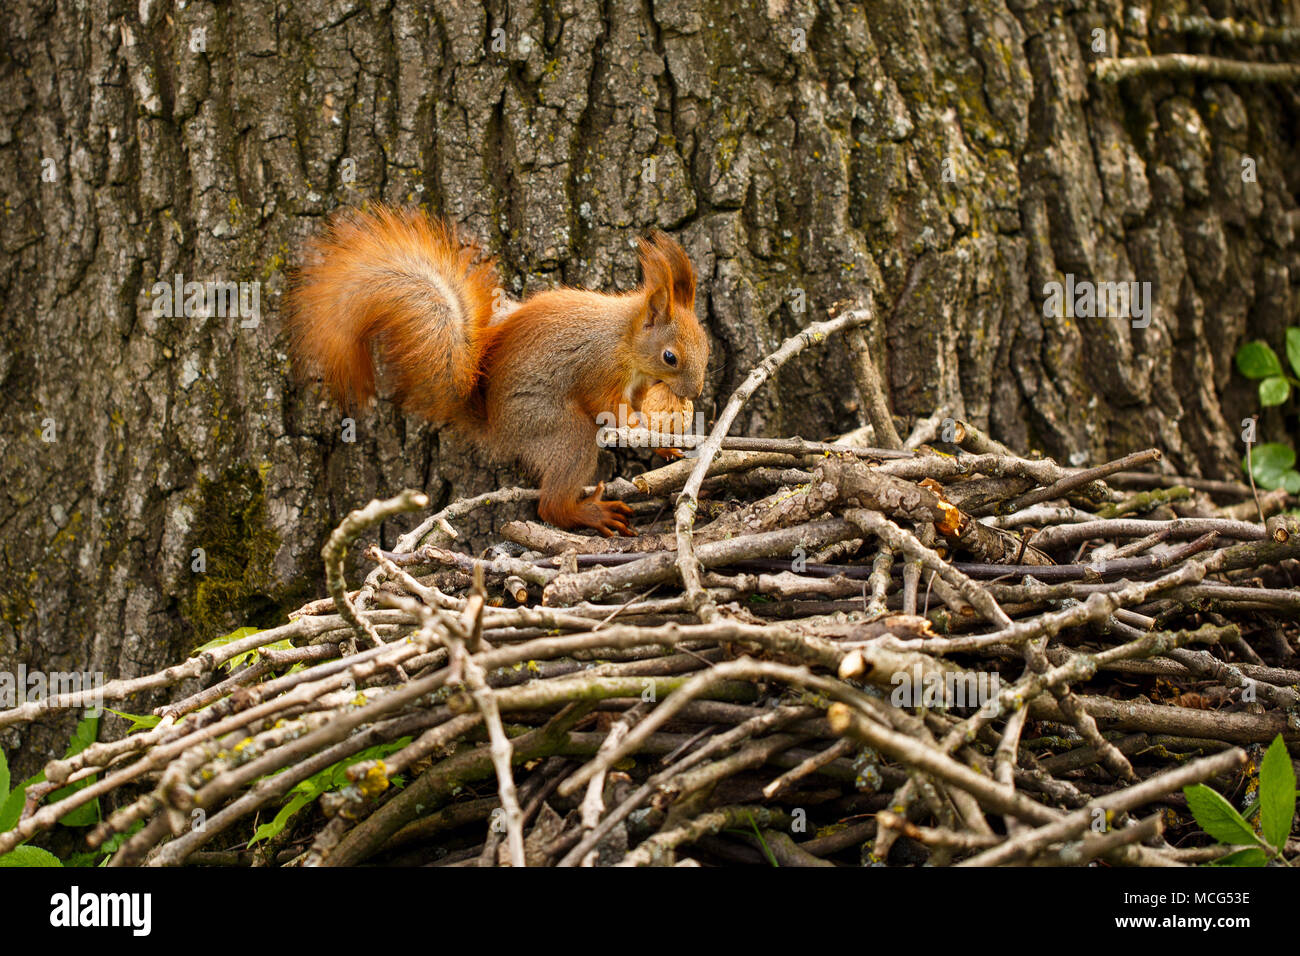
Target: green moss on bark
{"type": "Point", "coordinates": [238, 585]}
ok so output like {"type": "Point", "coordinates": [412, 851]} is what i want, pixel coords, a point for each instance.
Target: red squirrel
{"type": "Point", "coordinates": [526, 386]}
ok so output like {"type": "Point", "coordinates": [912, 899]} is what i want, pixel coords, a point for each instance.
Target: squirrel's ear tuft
{"type": "Point", "coordinates": [669, 277]}
{"type": "Point", "coordinates": [657, 282]}
{"type": "Point", "coordinates": [679, 268]}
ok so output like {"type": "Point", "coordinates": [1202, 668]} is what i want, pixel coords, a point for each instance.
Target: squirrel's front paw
{"type": "Point", "coordinates": [608, 517]}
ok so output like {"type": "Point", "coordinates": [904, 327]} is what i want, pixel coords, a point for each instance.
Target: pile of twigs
{"type": "Point", "coordinates": [933, 651]}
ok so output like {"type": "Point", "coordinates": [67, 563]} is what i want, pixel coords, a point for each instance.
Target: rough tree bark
{"type": "Point", "coordinates": [802, 151]}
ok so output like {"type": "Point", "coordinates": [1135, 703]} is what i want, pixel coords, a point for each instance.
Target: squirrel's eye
{"type": "Point", "coordinates": [670, 358]}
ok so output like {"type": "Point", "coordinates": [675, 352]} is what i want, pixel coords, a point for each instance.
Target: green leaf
{"type": "Point", "coordinates": [4, 778]}
{"type": "Point", "coordinates": [12, 808]}
{"type": "Point", "coordinates": [85, 734]}
{"type": "Point", "coordinates": [106, 850]}
{"type": "Point", "coordinates": [224, 639]}
{"type": "Point", "coordinates": [1269, 462]}
{"type": "Point", "coordinates": [1257, 360]}
{"type": "Point", "coordinates": [268, 830]}
{"type": "Point", "coordinates": [138, 721]}
{"type": "Point", "coordinates": [1251, 856]}
{"type": "Point", "coordinates": [1274, 391]}
{"type": "Point", "coordinates": [1217, 817]}
{"type": "Point", "coordinates": [1293, 348]}
{"type": "Point", "coordinates": [331, 778]}
{"type": "Point", "coordinates": [1276, 793]}
{"type": "Point", "coordinates": [29, 856]}
{"type": "Point", "coordinates": [239, 660]}
{"type": "Point", "coordinates": [88, 813]}
{"type": "Point", "coordinates": [1291, 482]}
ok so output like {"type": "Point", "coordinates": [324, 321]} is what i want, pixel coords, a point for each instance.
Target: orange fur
{"type": "Point", "coordinates": [376, 275]}
{"type": "Point", "coordinates": [526, 388]}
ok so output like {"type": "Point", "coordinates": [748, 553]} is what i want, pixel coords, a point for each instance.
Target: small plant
{"type": "Point", "coordinates": [758, 836]}
{"type": "Point", "coordinates": [12, 802]}
{"type": "Point", "coordinates": [246, 657]}
{"type": "Point", "coordinates": [1276, 805]}
{"type": "Point", "coordinates": [1272, 464]}
{"type": "Point", "coordinates": [11, 807]}
{"type": "Point", "coordinates": [332, 778]}
{"type": "Point", "coordinates": [1257, 360]}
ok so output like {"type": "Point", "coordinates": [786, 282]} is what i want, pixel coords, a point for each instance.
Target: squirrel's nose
{"type": "Point", "coordinates": [690, 388]}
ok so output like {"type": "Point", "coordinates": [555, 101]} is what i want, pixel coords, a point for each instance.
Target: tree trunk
{"type": "Point", "coordinates": [951, 159]}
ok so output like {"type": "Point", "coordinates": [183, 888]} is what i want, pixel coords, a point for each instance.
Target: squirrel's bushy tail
{"type": "Point", "coordinates": [395, 276]}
